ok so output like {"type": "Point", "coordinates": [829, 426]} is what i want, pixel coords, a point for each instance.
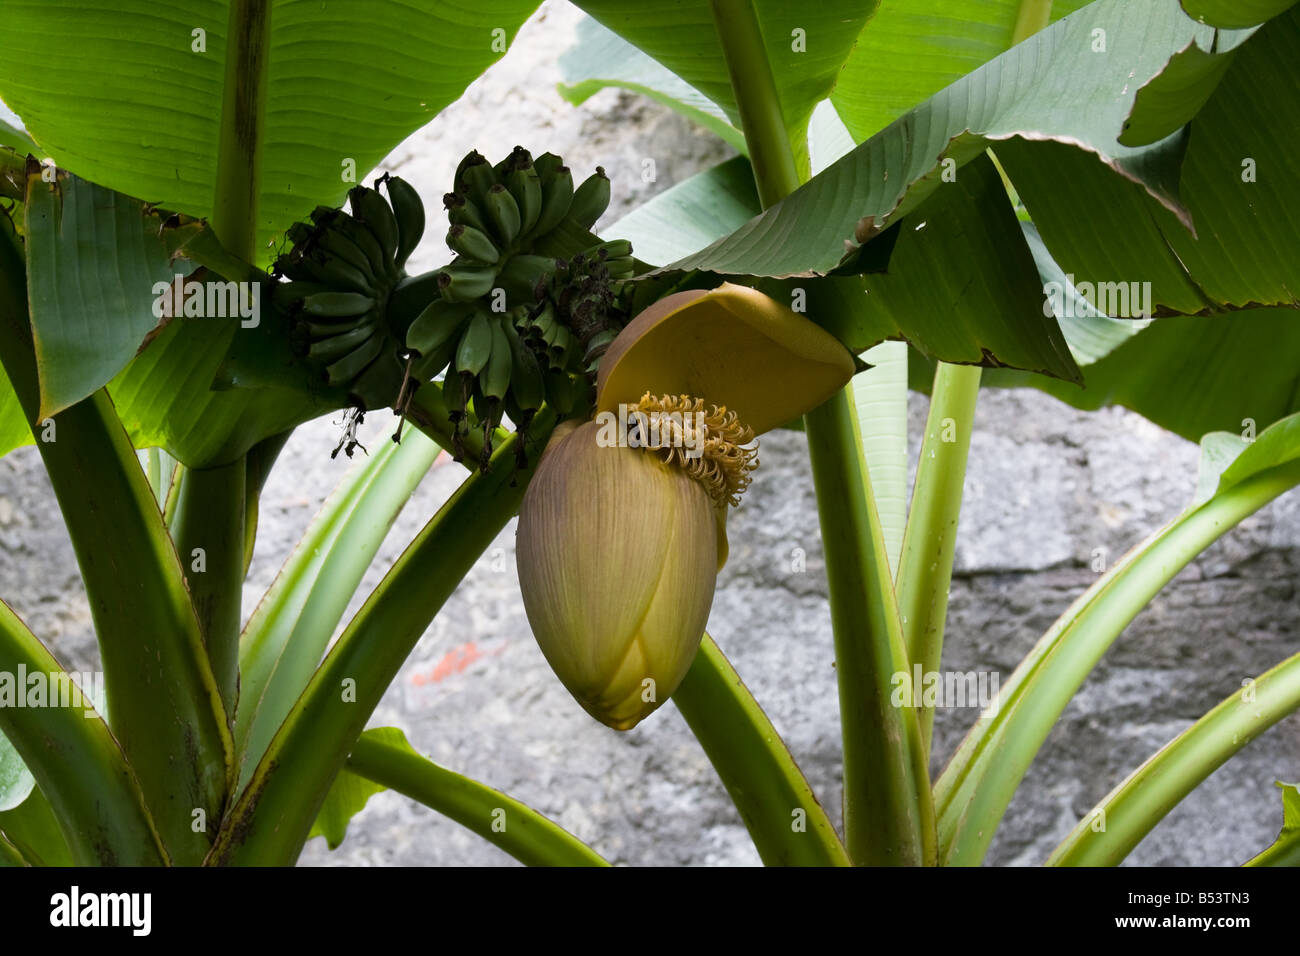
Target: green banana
{"type": "Point", "coordinates": [473, 244]}
{"type": "Point", "coordinates": [337, 304]}
{"type": "Point", "coordinates": [475, 345]}
{"type": "Point", "coordinates": [336, 346]}
{"type": "Point", "coordinates": [426, 366]}
{"type": "Point", "coordinates": [557, 196]}
{"type": "Point", "coordinates": [495, 379]}
{"type": "Point", "coordinates": [408, 210]}
{"type": "Point", "coordinates": [462, 212]}
{"type": "Point", "coordinates": [590, 199]}
{"type": "Point", "coordinates": [526, 385]}
{"type": "Point", "coordinates": [464, 283]}
{"type": "Point", "coordinates": [354, 363]}
{"type": "Point", "coordinates": [503, 214]}
{"type": "Point", "coordinates": [472, 158]}
{"type": "Point", "coordinates": [526, 188]}
{"type": "Point", "coordinates": [613, 249]}
{"type": "Point", "coordinates": [475, 183]}
{"type": "Point", "coordinates": [437, 324]}
{"type": "Point", "coordinates": [365, 240]}
{"type": "Point", "coordinates": [329, 241]}
{"type": "Point", "coordinates": [332, 273]}
{"type": "Point", "coordinates": [547, 165]}
{"type": "Point", "coordinates": [379, 383]}
{"type": "Point", "coordinates": [372, 211]}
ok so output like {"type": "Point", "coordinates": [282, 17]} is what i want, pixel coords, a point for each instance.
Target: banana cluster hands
{"type": "Point", "coordinates": [346, 277]}
{"type": "Point", "coordinates": [513, 328]}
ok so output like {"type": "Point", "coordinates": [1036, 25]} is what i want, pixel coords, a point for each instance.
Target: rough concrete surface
{"type": "Point", "coordinates": [1046, 487]}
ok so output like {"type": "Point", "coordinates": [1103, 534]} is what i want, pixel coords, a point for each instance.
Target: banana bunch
{"type": "Point", "coordinates": [346, 272]}
{"type": "Point", "coordinates": [503, 325]}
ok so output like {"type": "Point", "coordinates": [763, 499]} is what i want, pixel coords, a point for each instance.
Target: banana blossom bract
{"type": "Point", "coordinates": [618, 545]}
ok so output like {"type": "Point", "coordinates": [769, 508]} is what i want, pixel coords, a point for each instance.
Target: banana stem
{"type": "Point", "coordinates": [930, 541]}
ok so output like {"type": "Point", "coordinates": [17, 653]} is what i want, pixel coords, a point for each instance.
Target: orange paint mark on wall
{"type": "Point", "coordinates": [453, 662]}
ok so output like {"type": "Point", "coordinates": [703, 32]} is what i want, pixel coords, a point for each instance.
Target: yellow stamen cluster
{"type": "Point", "coordinates": [723, 464]}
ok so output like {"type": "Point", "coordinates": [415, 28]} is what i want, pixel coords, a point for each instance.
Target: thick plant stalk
{"type": "Point", "coordinates": [1110, 832]}
{"type": "Point", "coordinates": [163, 702]}
{"type": "Point", "coordinates": [977, 786]}
{"type": "Point", "coordinates": [515, 827]}
{"type": "Point", "coordinates": [238, 180]}
{"type": "Point", "coordinates": [888, 815]}
{"type": "Point", "coordinates": [210, 534]}
{"type": "Point", "coordinates": [781, 812]}
{"type": "Point", "coordinates": [76, 762]}
{"type": "Point", "coordinates": [274, 813]}
{"type": "Point", "coordinates": [930, 541]}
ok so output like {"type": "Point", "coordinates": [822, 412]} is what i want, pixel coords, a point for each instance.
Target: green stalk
{"type": "Point", "coordinates": [781, 812]}
{"type": "Point", "coordinates": [775, 172]}
{"type": "Point", "coordinates": [292, 626]}
{"type": "Point", "coordinates": [503, 821]}
{"type": "Point", "coordinates": [163, 702]}
{"type": "Point", "coordinates": [261, 459]}
{"type": "Point", "coordinates": [880, 398]}
{"type": "Point", "coordinates": [10, 855]}
{"type": "Point", "coordinates": [209, 532]}
{"type": "Point", "coordinates": [888, 814]}
{"type": "Point", "coordinates": [977, 786]}
{"type": "Point", "coordinates": [930, 540]}
{"type": "Point", "coordinates": [273, 816]}
{"type": "Point", "coordinates": [1118, 824]}
{"type": "Point", "coordinates": [77, 764]}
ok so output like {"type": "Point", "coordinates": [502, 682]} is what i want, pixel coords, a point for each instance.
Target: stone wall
{"type": "Point", "coordinates": [1046, 486]}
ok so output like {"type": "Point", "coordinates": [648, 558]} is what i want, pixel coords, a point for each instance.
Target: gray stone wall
{"type": "Point", "coordinates": [1046, 486]}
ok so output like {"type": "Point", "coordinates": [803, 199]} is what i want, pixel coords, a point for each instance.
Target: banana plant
{"type": "Point", "coordinates": [201, 296]}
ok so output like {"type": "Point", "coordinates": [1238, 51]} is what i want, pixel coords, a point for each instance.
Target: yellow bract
{"type": "Point", "coordinates": [732, 346]}
{"type": "Point", "coordinates": [617, 552]}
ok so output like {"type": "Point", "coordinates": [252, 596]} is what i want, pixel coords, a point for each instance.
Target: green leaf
{"type": "Point", "coordinates": [97, 260]}
{"type": "Point", "coordinates": [600, 58]}
{"type": "Point", "coordinates": [76, 760]}
{"type": "Point", "coordinates": [1051, 88]}
{"type": "Point", "coordinates": [1146, 796]}
{"type": "Point", "coordinates": [165, 709]}
{"type": "Point", "coordinates": [16, 781]}
{"type": "Point", "coordinates": [34, 830]}
{"type": "Point", "coordinates": [347, 81]}
{"type": "Point", "coordinates": [383, 755]}
{"type": "Point", "coordinates": [14, 431]}
{"type": "Point", "coordinates": [912, 50]}
{"type": "Point", "coordinates": [977, 786]}
{"type": "Point", "coordinates": [1285, 851]}
{"type": "Point", "coordinates": [1240, 183]}
{"type": "Point", "coordinates": [758, 771]}
{"type": "Point", "coordinates": [1235, 13]}
{"type": "Point", "coordinates": [350, 793]}
{"type": "Point", "coordinates": [289, 631]}
{"type": "Point", "coordinates": [688, 216]}
{"type": "Point", "coordinates": [274, 814]}
{"type": "Point", "coordinates": [806, 46]}
{"type": "Point", "coordinates": [1189, 374]}
{"type": "Point", "coordinates": [18, 140]}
